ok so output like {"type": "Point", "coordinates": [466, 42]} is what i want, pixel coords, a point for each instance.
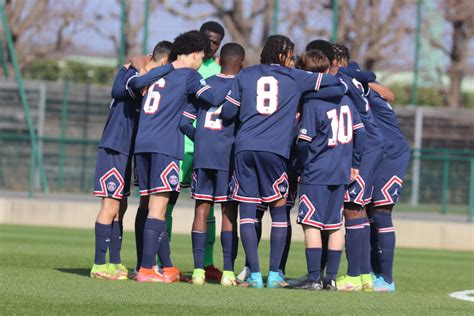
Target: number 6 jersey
{"type": "Point", "coordinates": [268, 98]}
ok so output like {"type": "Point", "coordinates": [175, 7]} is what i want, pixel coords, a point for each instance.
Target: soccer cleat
{"type": "Point", "coordinates": [255, 281]}
{"type": "Point", "coordinates": [348, 283]}
{"type": "Point", "coordinates": [120, 270]}
{"type": "Point", "coordinates": [172, 273]}
{"type": "Point", "coordinates": [367, 282]}
{"type": "Point", "coordinates": [212, 273]}
{"type": "Point", "coordinates": [228, 278]}
{"type": "Point", "coordinates": [274, 281]}
{"type": "Point", "coordinates": [307, 284]}
{"type": "Point", "coordinates": [244, 275]}
{"type": "Point", "coordinates": [133, 275]}
{"type": "Point", "coordinates": [381, 286]}
{"type": "Point", "coordinates": [150, 275]}
{"type": "Point", "coordinates": [330, 285]}
{"type": "Point", "coordinates": [199, 277]}
{"type": "Point", "coordinates": [102, 271]}
{"type": "Point", "coordinates": [298, 280]}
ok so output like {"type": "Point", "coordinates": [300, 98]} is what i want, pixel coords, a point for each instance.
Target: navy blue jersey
{"type": "Point", "coordinates": [120, 128]}
{"type": "Point", "coordinates": [328, 125]}
{"type": "Point", "coordinates": [395, 141]}
{"type": "Point", "coordinates": [162, 106]}
{"type": "Point", "coordinates": [213, 138]}
{"type": "Point", "coordinates": [267, 97]}
{"type": "Point", "coordinates": [374, 139]}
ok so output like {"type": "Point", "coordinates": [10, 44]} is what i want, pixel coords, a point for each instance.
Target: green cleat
{"type": "Point", "coordinates": [199, 277]}
{"type": "Point", "coordinates": [102, 271]}
{"type": "Point", "coordinates": [367, 282]}
{"type": "Point", "coordinates": [228, 278]}
{"type": "Point", "coordinates": [120, 270]}
{"type": "Point", "coordinates": [348, 283]}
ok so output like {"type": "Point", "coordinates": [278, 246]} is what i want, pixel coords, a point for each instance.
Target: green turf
{"type": "Point", "coordinates": [45, 271]}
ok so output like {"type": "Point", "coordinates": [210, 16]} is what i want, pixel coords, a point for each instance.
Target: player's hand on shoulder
{"type": "Point", "coordinates": [127, 65]}
{"type": "Point", "coordinates": [354, 174]}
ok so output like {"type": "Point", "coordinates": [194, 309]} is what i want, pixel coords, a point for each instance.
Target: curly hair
{"type": "Point", "coordinates": [275, 50]}
{"type": "Point", "coordinates": [187, 43]}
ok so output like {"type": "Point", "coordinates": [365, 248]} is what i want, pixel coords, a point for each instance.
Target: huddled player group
{"type": "Point", "coordinates": [252, 139]}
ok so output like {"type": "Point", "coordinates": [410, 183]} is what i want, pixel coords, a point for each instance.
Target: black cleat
{"type": "Point", "coordinates": [309, 285]}
{"type": "Point", "coordinates": [330, 285]}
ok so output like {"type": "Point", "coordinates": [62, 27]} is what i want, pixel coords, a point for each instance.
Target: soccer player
{"type": "Point", "coordinates": [210, 67]}
{"type": "Point", "coordinates": [330, 144]}
{"type": "Point", "coordinates": [113, 171]}
{"type": "Point", "coordinates": [359, 191]}
{"type": "Point", "coordinates": [387, 185]}
{"type": "Point", "coordinates": [159, 142]}
{"type": "Point", "coordinates": [213, 141]}
{"type": "Point", "coordinates": [265, 98]}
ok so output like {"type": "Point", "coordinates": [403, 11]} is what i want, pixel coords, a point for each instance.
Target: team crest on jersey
{"type": "Point", "coordinates": [203, 82]}
{"type": "Point", "coordinates": [111, 186]}
{"type": "Point", "coordinates": [173, 180]}
{"type": "Point", "coordinates": [282, 188]}
{"type": "Point", "coordinates": [303, 131]}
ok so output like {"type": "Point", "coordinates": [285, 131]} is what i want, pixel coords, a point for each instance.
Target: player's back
{"type": "Point", "coordinates": [386, 119]}
{"type": "Point", "coordinates": [374, 139]}
{"type": "Point", "coordinates": [214, 137]}
{"type": "Point", "coordinates": [328, 125]}
{"type": "Point", "coordinates": [120, 128]}
{"type": "Point", "coordinates": [269, 101]}
{"type": "Point", "coordinates": [160, 114]}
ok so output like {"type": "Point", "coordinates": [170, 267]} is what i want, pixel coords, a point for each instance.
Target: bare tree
{"type": "Point", "coordinates": [42, 28]}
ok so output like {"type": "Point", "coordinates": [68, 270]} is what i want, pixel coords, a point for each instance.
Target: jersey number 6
{"type": "Point", "coordinates": [341, 126]}
{"type": "Point", "coordinates": [267, 95]}
{"type": "Point", "coordinates": [153, 97]}
{"type": "Point", "coordinates": [211, 121]}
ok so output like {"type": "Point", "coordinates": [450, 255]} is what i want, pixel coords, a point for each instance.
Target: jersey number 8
{"type": "Point", "coordinates": [341, 126]}
{"type": "Point", "coordinates": [267, 95]}
{"type": "Point", "coordinates": [153, 97]}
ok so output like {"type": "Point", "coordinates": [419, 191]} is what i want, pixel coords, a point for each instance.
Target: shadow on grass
{"type": "Point", "coordinates": [81, 272]}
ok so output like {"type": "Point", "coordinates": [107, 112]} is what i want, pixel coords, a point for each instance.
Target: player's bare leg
{"type": "Point", "coordinates": [199, 237]}
{"type": "Point", "coordinates": [277, 241]}
{"type": "Point", "coordinates": [229, 241]}
{"type": "Point", "coordinates": [154, 231]}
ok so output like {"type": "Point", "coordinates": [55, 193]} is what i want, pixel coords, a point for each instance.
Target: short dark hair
{"type": "Point", "coordinates": [313, 60]}
{"type": "Point", "coordinates": [230, 52]}
{"type": "Point", "coordinates": [324, 46]}
{"type": "Point", "coordinates": [213, 26]}
{"type": "Point", "coordinates": [161, 50]}
{"type": "Point", "coordinates": [274, 47]}
{"type": "Point", "coordinates": [187, 43]}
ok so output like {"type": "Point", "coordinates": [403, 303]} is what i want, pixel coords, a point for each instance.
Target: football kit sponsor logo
{"type": "Point", "coordinates": [173, 180]}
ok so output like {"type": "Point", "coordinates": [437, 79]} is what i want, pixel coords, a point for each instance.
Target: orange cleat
{"type": "Point", "coordinates": [212, 273]}
{"type": "Point", "coordinates": [150, 275]}
{"type": "Point", "coordinates": [172, 273]}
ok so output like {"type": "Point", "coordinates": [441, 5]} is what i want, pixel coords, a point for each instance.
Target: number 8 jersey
{"type": "Point", "coordinates": [268, 98]}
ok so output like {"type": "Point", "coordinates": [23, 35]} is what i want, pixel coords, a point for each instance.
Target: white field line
{"type": "Point", "coordinates": [467, 295]}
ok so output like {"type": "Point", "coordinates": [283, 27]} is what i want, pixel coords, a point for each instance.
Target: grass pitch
{"type": "Point", "coordinates": [45, 271]}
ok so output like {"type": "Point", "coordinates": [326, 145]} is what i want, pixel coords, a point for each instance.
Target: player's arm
{"type": "Point", "coordinates": [359, 136]}
{"type": "Point", "coordinates": [137, 83]}
{"type": "Point", "coordinates": [230, 109]}
{"type": "Point", "coordinates": [118, 88]}
{"type": "Point", "coordinates": [189, 116]}
{"type": "Point", "coordinates": [308, 130]}
{"type": "Point", "coordinates": [362, 76]}
{"type": "Point", "coordinates": [308, 81]}
{"type": "Point", "coordinates": [197, 85]}
{"type": "Point", "coordinates": [384, 91]}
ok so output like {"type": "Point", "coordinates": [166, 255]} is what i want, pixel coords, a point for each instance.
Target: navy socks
{"type": "Point", "coordinates": [333, 261]}
{"type": "Point", "coordinates": [278, 236]}
{"type": "Point", "coordinates": [248, 235]}
{"type": "Point", "coordinates": [199, 247]}
{"type": "Point", "coordinates": [102, 241]}
{"type": "Point", "coordinates": [354, 235]}
{"type": "Point", "coordinates": [152, 237]}
{"type": "Point", "coordinates": [140, 220]}
{"type": "Point", "coordinates": [386, 244]}
{"type": "Point", "coordinates": [116, 242]}
{"type": "Point", "coordinates": [365, 249]}
{"type": "Point", "coordinates": [313, 262]}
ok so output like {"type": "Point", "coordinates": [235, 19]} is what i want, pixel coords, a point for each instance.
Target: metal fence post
{"type": "Point", "coordinates": [123, 22]}
{"type": "Point", "coordinates": [85, 133]}
{"type": "Point", "coordinates": [445, 183]}
{"type": "Point", "coordinates": [145, 27]}
{"type": "Point", "coordinates": [470, 210]}
{"type": "Point", "coordinates": [415, 186]}
{"type": "Point", "coordinates": [64, 114]}
{"type": "Point", "coordinates": [335, 20]}
{"type": "Point", "coordinates": [41, 119]}
{"type": "Point", "coordinates": [276, 13]}
{"type": "Point", "coordinates": [4, 60]}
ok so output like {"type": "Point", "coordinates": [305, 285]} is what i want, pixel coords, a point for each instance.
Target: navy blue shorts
{"type": "Point", "coordinates": [360, 190]}
{"type": "Point", "coordinates": [157, 173]}
{"type": "Point", "coordinates": [321, 206]}
{"type": "Point", "coordinates": [210, 185]}
{"type": "Point", "coordinates": [112, 174]}
{"type": "Point", "coordinates": [293, 184]}
{"type": "Point", "coordinates": [259, 177]}
{"type": "Point", "coordinates": [389, 179]}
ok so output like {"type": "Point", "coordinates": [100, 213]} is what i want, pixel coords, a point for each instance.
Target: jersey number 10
{"type": "Point", "coordinates": [341, 126]}
{"type": "Point", "coordinates": [267, 95]}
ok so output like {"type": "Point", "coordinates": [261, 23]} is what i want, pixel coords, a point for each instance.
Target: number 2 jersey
{"type": "Point", "coordinates": [268, 98]}
{"type": "Point", "coordinates": [328, 125]}
{"type": "Point", "coordinates": [162, 106]}
{"type": "Point", "coordinates": [213, 138]}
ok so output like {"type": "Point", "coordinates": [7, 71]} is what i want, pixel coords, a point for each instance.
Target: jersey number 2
{"type": "Point", "coordinates": [153, 97]}
{"type": "Point", "coordinates": [267, 95]}
{"type": "Point", "coordinates": [341, 126]}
